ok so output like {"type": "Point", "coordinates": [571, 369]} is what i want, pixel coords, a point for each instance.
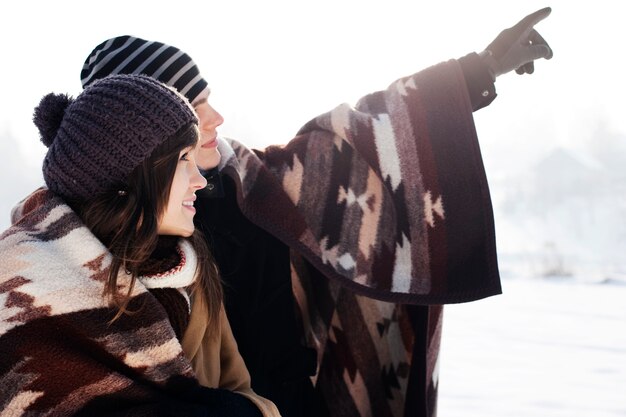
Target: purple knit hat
{"type": "Point", "coordinates": [96, 140]}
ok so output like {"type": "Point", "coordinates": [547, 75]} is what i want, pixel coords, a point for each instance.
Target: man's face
{"type": "Point", "coordinates": [207, 155]}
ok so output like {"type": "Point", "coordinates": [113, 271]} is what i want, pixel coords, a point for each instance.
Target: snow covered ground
{"type": "Point", "coordinates": [554, 343]}
{"type": "Point", "coordinates": [546, 347]}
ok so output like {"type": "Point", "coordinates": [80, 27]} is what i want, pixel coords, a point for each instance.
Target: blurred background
{"type": "Point", "coordinates": [554, 146]}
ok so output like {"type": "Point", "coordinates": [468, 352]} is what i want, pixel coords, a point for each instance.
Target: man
{"type": "Point", "coordinates": [370, 218]}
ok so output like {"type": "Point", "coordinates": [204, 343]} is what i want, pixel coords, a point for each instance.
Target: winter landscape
{"type": "Point", "coordinates": [554, 344]}
{"type": "Point", "coordinates": [554, 146]}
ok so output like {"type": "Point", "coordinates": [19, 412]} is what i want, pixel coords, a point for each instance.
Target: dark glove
{"type": "Point", "coordinates": [517, 47]}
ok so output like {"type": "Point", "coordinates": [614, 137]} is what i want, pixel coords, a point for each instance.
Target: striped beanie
{"type": "Point", "coordinates": [131, 55]}
{"type": "Point", "coordinates": [96, 140]}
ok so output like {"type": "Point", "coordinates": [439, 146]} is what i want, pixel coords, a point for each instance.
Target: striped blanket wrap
{"type": "Point", "coordinates": [386, 209]}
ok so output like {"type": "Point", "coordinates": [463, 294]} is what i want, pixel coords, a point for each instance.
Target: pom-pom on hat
{"type": "Point", "coordinates": [132, 55]}
{"type": "Point", "coordinates": [96, 140]}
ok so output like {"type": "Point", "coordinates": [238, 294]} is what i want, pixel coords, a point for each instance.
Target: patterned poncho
{"type": "Point", "coordinates": [386, 208]}
{"type": "Point", "coordinates": [387, 212]}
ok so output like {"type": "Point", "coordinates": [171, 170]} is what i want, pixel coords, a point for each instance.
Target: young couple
{"type": "Point", "coordinates": [328, 257]}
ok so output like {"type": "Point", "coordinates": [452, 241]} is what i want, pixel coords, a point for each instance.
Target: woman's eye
{"type": "Point", "coordinates": [185, 156]}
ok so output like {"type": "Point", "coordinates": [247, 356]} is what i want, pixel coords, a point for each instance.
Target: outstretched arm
{"type": "Point", "coordinates": [390, 196]}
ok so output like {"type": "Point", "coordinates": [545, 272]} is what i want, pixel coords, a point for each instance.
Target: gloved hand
{"type": "Point", "coordinates": [517, 47]}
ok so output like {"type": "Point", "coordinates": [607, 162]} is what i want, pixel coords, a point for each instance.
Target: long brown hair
{"type": "Point", "coordinates": [125, 219]}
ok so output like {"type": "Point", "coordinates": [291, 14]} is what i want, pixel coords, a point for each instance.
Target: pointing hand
{"type": "Point", "coordinates": [517, 47]}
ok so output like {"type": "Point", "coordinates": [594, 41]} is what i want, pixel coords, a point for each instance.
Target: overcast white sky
{"type": "Point", "coordinates": [273, 65]}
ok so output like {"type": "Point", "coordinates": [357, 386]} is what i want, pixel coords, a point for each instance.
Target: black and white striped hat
{"type": "Point", "coordinates": [131, 55]}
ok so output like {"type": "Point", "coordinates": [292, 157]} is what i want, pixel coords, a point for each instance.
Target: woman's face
{"type": "Point", "coordinates": [207, 155]}
{"type": "Point", "coordinates": [177, 220]}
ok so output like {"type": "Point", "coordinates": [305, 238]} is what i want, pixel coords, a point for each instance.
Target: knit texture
{"type": "Point", "coordinates": [132, 55]}
{"type": "Point", "coordinates": [95, 141]}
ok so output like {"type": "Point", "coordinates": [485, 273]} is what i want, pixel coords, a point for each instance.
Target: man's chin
{"type": "Point", "coordinates": [209, 161]}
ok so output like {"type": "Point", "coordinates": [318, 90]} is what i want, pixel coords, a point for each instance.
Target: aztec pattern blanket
{"type": "Point", "coordinates": [389, 200]}
{"type": "Point", "coordinates": [58, 354]}
{"type": "Point", "coordinates": [387, 211]}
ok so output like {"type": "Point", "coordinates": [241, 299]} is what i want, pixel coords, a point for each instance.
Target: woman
{"type": "Point", "coordinates": [111, 304]}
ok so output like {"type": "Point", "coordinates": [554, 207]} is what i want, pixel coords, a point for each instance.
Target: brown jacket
{"type": "Point", "coordinates": [215, 358]}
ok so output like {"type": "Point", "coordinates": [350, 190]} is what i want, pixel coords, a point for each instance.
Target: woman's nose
{"type": "Point", "coordinates": [197, 180]}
